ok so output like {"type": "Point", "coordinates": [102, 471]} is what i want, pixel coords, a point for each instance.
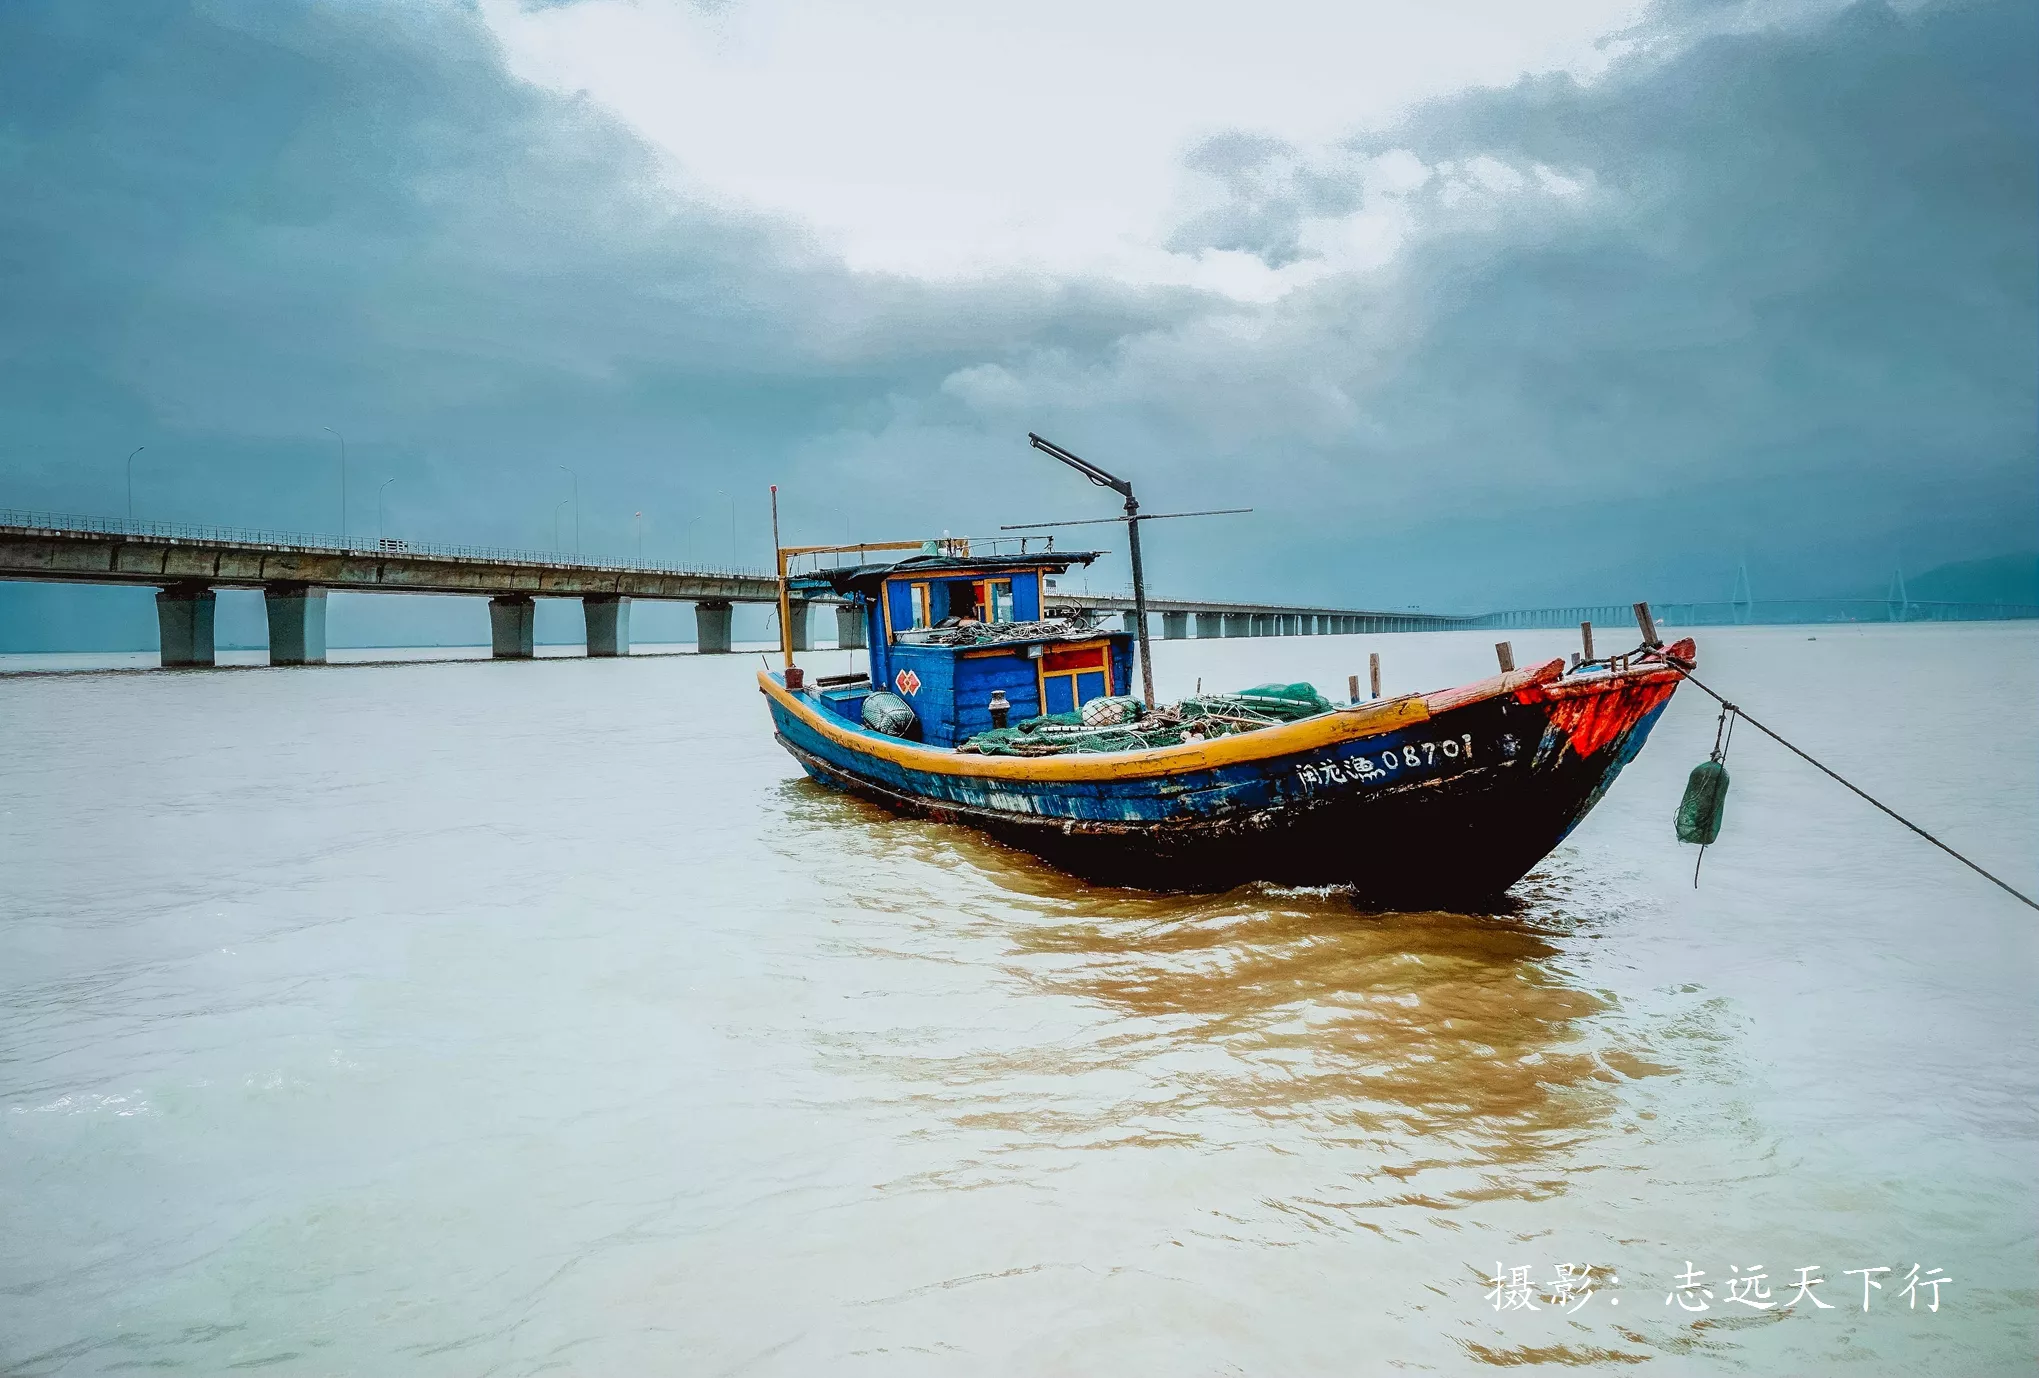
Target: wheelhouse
{"type": "Point", "coordinates": [956, 636]}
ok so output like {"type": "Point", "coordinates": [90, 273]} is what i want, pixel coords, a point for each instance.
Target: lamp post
{"type": "Point", "coordinates": [1134, 516]}
{"type": "Point", "coordinates": [555, 523]}
{"type": "Point", "coordinates": [723, 493]}
{"type": "Point", "coordinates": [379, 537]}
{"type": "Point", "coordinates": [131, 482]}
{"type": "Point", "coordinates": [576, 508]}
{"type": "Point", "coordinates": [638, 517]}
{"type": "Point", "coordinates": [343, 482]}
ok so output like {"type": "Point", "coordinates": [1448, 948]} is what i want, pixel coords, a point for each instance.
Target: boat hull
{"type": "Point", "coordinates": [1445, 799]}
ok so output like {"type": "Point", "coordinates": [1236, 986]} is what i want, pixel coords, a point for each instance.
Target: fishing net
{"type": "Point", "coordinates": [966, 632]}
{"type": "Point", "coordinates": [1193, 719]}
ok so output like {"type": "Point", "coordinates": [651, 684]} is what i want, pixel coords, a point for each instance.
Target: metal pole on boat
{"type": "Point", "coordinates": [785, 602]}
{"type": "Point", "coordinates": [1124, 490]}
{"type": "Point", "coordinates": [1132, 520]}
{"type": "Point", "coordinates": [1139, 597]}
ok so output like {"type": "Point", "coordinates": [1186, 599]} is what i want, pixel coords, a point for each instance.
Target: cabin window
{"type": "Point", "coordinates": [985, 600]}
{"type": "Point", "coordinates": [1071, 678]}
{"type": "Point", "coordinates": [991, 600]}
{"type": "Point", "coordinates": [911, 606]}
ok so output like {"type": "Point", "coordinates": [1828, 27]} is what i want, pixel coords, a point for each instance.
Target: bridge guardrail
{"type": "Point", "coordinates": [1762, 612]}
{"type": "Point", "coordinates": [72, 523]}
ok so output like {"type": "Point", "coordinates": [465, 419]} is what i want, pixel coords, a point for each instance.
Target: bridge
{"type": "Point", "coordinates": [295, 571]}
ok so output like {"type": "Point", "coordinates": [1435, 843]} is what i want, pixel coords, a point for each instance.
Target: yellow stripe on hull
{"type": "Point", "coordinates": [1327, 729]}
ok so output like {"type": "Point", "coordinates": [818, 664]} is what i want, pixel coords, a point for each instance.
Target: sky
{"type": "Point", "coordinates": [1477, 304]}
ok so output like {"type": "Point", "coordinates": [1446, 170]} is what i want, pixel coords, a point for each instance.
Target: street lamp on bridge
{"type": "Point", "coordinates": [131, 482]}
{"type": "Point", "coordinates": [576, 507]}
{"type": "Point", "coordinates": [343, 482]}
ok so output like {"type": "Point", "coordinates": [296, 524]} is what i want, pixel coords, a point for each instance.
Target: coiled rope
{"type": "Point", "coordinates": [1742, 713]}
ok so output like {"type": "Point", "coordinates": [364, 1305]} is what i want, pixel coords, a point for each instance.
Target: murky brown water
{"type": "Point", "coordinates": [459, 1019]}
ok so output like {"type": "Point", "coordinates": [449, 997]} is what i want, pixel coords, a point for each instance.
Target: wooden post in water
{"type": "Point", "coordinates": [1505, 653]}
{"type": "Point", "coordinates": [1586, 639]}
{"type": "Point", "coordinates": [1352, 688]}
{"type": "Point", "coordinates": [1648, 624]}
{"type": "Point", "coordinates": [1373, 671]}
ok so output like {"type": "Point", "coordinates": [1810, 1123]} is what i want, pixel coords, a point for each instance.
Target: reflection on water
{"type": "Point", "coordinates": [1454, 1051]}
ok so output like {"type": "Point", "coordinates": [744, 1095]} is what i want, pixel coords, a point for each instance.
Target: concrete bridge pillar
{"type": "Point", "coordinates": [797, 618]}
{"type": "Point", "coordinates": [1174, 626]}
{"type": "Point", "coordinates": [1292, 624]}
{"type": "Point", "coordinates": [184, 625]}
{"type": "Point", "coordinates": [1210, 624]}
{"type": "Point", "coordinates": [1238, 624]}
{"type": "Point", "coordinates": [711, 628]}
{"type": "Point", "coordinates": [849, 626]}
{"type": "Point", "coordinates": [608, 620]}
{"type": "Point", "coordinates": [512, 617]}
{"type": "Point", "coordinates": [297, 624]}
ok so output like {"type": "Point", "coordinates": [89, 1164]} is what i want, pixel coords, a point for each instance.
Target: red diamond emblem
{"type": "Point", "coordinates": [908, 682]}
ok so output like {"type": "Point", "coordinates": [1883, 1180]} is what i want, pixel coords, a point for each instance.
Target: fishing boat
{"type": "Point", "coordinates": [986, 705]}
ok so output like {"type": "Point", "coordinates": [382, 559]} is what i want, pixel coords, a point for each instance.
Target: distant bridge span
{"type": "Point", "coordinates": [295, 571]}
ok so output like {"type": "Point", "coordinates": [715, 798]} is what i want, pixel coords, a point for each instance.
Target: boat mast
{"type": "Point", "coordinates": [1124, 490]}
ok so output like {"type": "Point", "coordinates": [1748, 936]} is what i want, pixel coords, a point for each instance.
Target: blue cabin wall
{"type": "Point", "coordinates": [978, 676]}
{"type": "Point", "coordinates": [933, 698]}
{"type": "Point", "coordinates": [876, 642]}
{"type": "Point", "coordinates": [899, 604]}
{"type": "Point", "coordinates": [1026, 597]}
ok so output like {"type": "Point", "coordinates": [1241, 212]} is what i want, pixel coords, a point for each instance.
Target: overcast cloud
{"type": "Point", "coordinates": [1749, 283]}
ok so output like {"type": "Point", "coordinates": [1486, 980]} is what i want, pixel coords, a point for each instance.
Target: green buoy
{"type": "Point", "coordinates": [1705, 801]}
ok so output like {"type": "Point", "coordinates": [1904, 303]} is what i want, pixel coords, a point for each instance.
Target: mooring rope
{"type": "Point", "coordinates": [1848, 785]}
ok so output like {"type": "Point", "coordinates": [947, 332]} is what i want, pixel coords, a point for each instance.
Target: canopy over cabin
{"type": "Point", "coordinates": [948, 631]}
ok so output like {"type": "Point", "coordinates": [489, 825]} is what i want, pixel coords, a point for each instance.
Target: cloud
{"type": "Point", "coordinates": [1766, 290]}
{"type": "Point", "coordinates": [1757, 289]}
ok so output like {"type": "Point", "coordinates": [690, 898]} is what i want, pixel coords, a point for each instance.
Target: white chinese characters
{"type": "Point", "coordinates": [1381, 765]}
{"type": "Point", "coordinates": [1572, 1285]}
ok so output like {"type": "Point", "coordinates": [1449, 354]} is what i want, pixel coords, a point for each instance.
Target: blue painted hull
{"type": "Point", "coordinates": [1451, 810]}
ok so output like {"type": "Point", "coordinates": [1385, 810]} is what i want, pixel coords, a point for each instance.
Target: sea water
{"type": "Point", "coordinates": [521, 1018]}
